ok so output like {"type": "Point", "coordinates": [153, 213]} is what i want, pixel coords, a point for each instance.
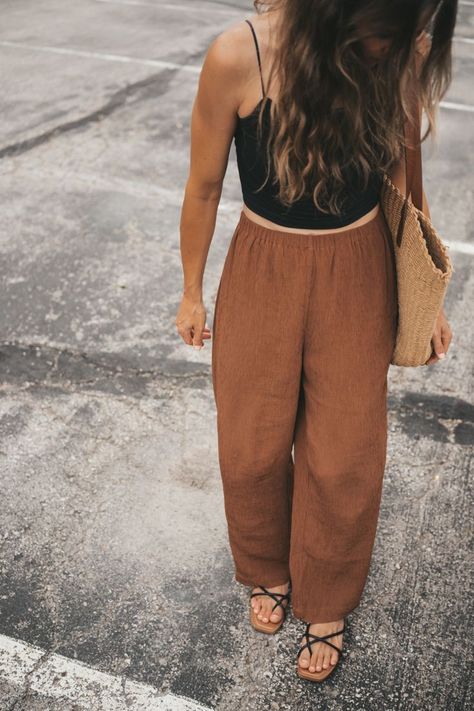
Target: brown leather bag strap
{"type": "Point", "coordinates": [413, 157]}
{"type": "Point", "coordinates": [413, 165]}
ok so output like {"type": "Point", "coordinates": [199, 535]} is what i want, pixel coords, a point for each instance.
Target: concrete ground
{"type": "Point", "coordinates": [116, 583]}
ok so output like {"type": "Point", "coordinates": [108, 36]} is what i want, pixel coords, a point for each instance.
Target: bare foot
{"type": "Point", "coordinates": [262, 604]}
{"type": "Point", "coordinates": [322, 655]}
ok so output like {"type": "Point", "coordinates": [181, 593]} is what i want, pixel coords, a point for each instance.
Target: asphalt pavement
{"type": "Point", "coordinates": [116, 580]}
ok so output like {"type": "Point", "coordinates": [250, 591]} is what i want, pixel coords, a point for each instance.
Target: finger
{"type": "Point", "coordinates": [438, 346]}
{"type": "Point", "coordinates": [433, 357]}
{"type": "Point", "coordinates": [186, 335]}
{"type": "Point", "coordinates": [197, 338]}
{"type": "Point", "coordinates": [187, 338]}
{"type": "Point", "coordinates": [446, 337]}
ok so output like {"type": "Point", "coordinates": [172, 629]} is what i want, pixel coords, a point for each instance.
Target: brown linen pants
{"type": "Point", "coordinates": [303, 333]}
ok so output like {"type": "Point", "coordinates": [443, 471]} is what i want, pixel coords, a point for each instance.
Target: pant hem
{"type": "Point", "coordinates": [320, 617]}
{"type": "Point", "coordinates": [268, 583]}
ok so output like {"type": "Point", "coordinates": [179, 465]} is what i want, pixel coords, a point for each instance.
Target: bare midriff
{"type": "Point", "coordinates": [273, 226]}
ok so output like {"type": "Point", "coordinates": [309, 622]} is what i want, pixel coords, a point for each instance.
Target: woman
{"type": "Point", "coordinates": [316, 96]}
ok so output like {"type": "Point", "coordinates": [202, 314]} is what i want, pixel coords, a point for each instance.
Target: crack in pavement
{"type": "Point", "coordinates": [24, 695]}
{"type": "Point", "coordinates": [117, 100]}
{"type": "Point", "coordinates": [438, 416]}
{"type": "Point", "coordinates": [39, 364]}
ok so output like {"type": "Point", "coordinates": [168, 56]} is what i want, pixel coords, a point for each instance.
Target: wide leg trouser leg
{"type": "Point", "coordinates": [256, 369]}
{"type": "Point", "coordinates": [341, 430]}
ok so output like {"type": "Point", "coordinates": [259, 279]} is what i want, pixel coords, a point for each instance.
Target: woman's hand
{"type": "Point", "coordinates": [441, 339]}
{"type": "Point", "coordinates": [191, 321]}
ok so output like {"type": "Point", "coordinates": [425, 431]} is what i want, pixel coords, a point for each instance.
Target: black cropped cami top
{"type": "Point", "coordinates": [303, 212]}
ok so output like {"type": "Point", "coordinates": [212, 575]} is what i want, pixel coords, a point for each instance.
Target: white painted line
{"type": "Point", "coordinates": [461, 247]}
{"type": "Point", "coordinates": [194, 69]}
{"type": "Point", "coordinates": [456, 107]}
{"type": "Point", "coordinates": [57, 677]}
{"type": "Point", "coordinates": [469, 3]}
{"type": "Point", "coordinates": [469, 40]}
{"type": "Point", "coordinates": [106, 57]}
{"type": "Point", "coordinates": [198, 7]}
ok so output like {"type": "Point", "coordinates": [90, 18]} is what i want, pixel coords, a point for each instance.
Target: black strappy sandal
{"type": "Point", "coordinates": [324, 673]}
{"type": "Point", "coordinates": [269, 627]}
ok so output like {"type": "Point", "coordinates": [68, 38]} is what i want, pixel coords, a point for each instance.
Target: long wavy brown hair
{"type": "Point", "coordinates": [335, 112]}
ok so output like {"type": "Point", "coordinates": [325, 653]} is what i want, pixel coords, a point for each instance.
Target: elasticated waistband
{"type": "Point", "coordinates": [252, 228]}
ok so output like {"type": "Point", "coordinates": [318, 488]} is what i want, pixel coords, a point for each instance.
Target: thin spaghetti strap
{"type": "Point", "coordinates": [258, 55]}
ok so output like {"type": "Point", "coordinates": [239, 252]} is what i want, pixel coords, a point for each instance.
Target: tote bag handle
{"type": "Point", "coordinates": [413, 166]}
{"type": "Point", "coordinates": [413, 160]}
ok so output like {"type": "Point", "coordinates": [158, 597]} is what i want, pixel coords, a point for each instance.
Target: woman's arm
{"type": "Point", "coordinates": [213, 123]}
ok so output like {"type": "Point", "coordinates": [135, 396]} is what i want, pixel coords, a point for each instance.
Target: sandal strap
{"type": "Point", "coordinates": [309, 634]}
{"type": "Point", "coordinates": [308, 645]}
{"type": "Point", "coordinates": [317, 638]}
{"type": "Point", "coordinates": [275, 596]}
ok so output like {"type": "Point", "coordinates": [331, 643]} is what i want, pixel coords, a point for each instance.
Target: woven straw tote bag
{"type": "Point", "coordinates": [423, 265]}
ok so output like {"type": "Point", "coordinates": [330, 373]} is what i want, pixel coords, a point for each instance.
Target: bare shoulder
{"type": "Point", "coordinates": [229, 56]}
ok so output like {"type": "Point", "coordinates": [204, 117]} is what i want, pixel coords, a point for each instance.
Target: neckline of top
{"type": "Point", "coordinates": [254, 110]}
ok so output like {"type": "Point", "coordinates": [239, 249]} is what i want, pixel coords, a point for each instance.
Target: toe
{"type": "Point", "coordinates": [256, 600]}
{"type": "Point", "coordinates": [304, 660]}
{"type": "Point", "coordinates": [326, 658]}
{"type": "Point", "coordinates": [319, 660]}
